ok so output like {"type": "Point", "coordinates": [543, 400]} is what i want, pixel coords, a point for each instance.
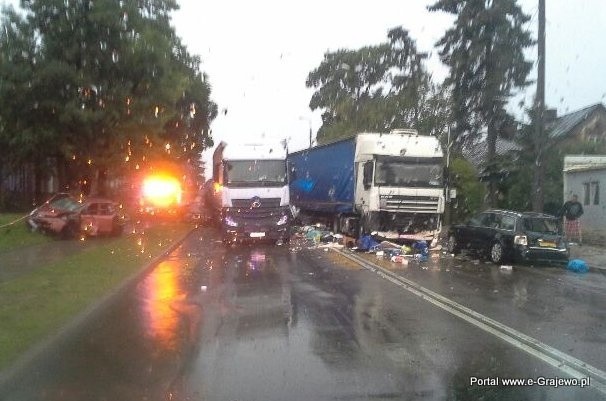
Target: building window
{"type": "Point", "coordinates": [595, 192]}
{"type": "Point", "coordinates": [586, 195]}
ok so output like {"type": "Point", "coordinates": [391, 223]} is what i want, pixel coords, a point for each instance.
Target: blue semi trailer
{"type": "Point", "coordinates": [386, 183]}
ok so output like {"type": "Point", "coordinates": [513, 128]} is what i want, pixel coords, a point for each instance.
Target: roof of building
{"type": "Point", "coordinates": [563, 125]}
{"type": "Point", "coordinates": [476, 153]}
{"type": "Point", "coordinates": [578, 163]}
{"type": "Point", "coordinates": [559, 128]}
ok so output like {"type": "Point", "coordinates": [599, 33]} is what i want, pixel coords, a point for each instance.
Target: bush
{"type": "Point", "coordinates": [470, 191]}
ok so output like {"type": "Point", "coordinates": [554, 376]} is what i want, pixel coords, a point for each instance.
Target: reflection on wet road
{"type": "Point", "coordinates": [265, 322]}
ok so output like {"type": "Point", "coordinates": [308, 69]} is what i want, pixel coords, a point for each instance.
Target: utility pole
{"type": "Point", "coordinates": [539, 142]}
{"type": "Point", "coordinates": [447, 186]}
{"type": "Point", "coordinates": [310, 130]}
{"type": "Point", "coordinates": [310, 134]}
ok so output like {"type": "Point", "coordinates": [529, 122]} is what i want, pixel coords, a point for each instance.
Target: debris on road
{"type": "Point", "coordinates": [578, 266]}
{"type": "Point", "coordinates": [396, 252]}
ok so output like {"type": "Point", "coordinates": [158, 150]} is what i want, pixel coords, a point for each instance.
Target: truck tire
{"type": "Point", "coordinates": [368, 224]}
{"type": "Point", "coordinates": [360, 229]}
{"type": "Point", "coordinates": [363, 229]}
{"type": "Point", "coordinates": [336, 224]}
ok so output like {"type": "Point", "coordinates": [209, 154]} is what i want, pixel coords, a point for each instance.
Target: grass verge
{"type": "Point", "coordinates": [36, 305]}
{"type": "Point", "coordinates": [17, 235]}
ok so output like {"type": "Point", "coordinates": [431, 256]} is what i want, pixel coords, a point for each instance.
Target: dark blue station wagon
{"type": "Point", "coordinates": [505, 235]}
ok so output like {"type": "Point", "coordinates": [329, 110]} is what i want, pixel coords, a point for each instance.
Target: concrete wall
{"type": "Point", "coordinates": [583, 183]}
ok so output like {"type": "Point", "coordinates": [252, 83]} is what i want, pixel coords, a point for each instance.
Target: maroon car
{"type": "Point", "coordinates": [68, 217]}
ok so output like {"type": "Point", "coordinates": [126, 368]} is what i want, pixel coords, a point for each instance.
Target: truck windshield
{"type": "Point", "coordinates": [255, 172]}
{"type": "Point", "coordinates": [408, 174]}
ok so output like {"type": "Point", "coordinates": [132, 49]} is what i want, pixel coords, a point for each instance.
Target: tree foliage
{"type": "Point", "coordinates": [484, 51]}
{"type": "Point", "coordinates": [520, 184]}
{"type": "Point", "coordinates": [376, 88]}
{"type": "Point", "coordinates": [107, 86]}
{"type": "Point", "coordinates": [470, 191]}
{"type": "Point", "coordinates": [18, 100]}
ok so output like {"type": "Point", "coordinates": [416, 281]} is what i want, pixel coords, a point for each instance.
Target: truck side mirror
{"type": "Point", "coordinates": [367, 175]}
{"type": "Point", "coordinates": [292, 174]}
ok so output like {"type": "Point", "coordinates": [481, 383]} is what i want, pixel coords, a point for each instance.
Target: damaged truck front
{"type": "Point", "coordinates": [390, 184]}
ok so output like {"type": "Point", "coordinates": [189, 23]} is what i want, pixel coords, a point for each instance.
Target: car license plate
{"type": "Point", "coordinates": [547, 244]}
{"type": "Point", "coordinates": [257, 235]}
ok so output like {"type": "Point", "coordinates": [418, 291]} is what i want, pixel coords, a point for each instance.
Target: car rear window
{"type": "Point", "coordinates": [542, 225]}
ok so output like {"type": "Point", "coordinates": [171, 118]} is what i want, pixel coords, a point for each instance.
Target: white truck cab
{"type": "Point", "coordinates": [250, 191]}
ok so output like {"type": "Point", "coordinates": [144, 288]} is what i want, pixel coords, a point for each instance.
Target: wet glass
{"type": "Point", "coordinates": [268, 172]}
{"type": "Point", "coordinates": [403, 174]}
{"type": "Point", "coordinates": [544, 226]}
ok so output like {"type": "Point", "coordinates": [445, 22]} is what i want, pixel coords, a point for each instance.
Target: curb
{"type": "Point", "coordinates": [38, 350]}
{"type": "Point", "coordinates": [592, 264]}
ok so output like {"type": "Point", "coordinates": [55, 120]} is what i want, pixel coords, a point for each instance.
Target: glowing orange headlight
{"type": "Point", "coordinates": [162, 191]}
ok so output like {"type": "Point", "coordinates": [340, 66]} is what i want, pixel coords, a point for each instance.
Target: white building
{"type": "Point", "coordinates": [585, 176]}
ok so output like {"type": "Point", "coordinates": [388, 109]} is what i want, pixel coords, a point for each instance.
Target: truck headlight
{"type": "Point", "coordinates": [520, 240]}
{"type": "Point", "coordinates": [230, 222]}
{"type": "Point", "coordinates": [283, 220]}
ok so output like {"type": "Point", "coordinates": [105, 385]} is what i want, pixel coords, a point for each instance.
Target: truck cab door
{"type": "Point", "coordinates": [363, 185]}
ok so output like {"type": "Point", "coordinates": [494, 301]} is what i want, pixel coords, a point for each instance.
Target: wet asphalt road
{"type": "Point", "coordinates": [260, 322]}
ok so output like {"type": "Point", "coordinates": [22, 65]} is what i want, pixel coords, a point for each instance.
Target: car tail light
{"type": "Point", "coordinates": [520, 240]}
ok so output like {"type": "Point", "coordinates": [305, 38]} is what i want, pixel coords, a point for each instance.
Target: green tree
{"type": "Point", "coordinates": [520, 184]}
{"type": "Point", "coordinates": [375, 88]}
{"type": "Point", "coordinates": [20, 103]}
{"type": "Point", "coordinates": [108, 80]}
{"type": "Point", "coordinates": [484, 50]}
{"type": "Point", "coordinates": [470, 191]}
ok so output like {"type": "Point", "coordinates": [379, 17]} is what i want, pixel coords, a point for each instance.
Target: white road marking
{"type": "Point", "coordinates": [560, 360]}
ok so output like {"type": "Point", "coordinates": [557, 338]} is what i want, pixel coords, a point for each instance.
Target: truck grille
{"type": "Point", "coordinates": [256, 216]}
{"type": "Point", "coordinates": [408, 203]}
{"type": "Point", "coordinates": [263, 203]}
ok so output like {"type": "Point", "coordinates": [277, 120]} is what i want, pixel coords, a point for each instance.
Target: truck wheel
{"type": "Point", "coordinates": [369, 223]}
{"type": "Point", "coordinates": [336, 226]}
{"type": "Point", "coordinates": [363, 229]}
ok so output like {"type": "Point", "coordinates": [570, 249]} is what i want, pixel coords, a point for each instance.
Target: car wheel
{"type": "Point", "coordinates": [117, 229]}
{"type": "Point", "coordinates": [453, 244]}
{"type": "Point", "coordinates": [69, 231]}
{"type": "Point", "coordinates": [497, 253]}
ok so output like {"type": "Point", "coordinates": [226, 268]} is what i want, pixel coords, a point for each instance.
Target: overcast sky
{"type": "Point", "coordinates": [258, 53]}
